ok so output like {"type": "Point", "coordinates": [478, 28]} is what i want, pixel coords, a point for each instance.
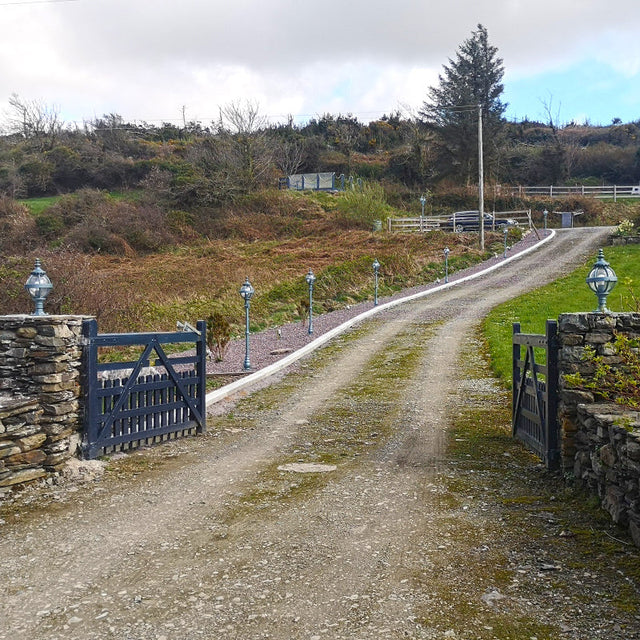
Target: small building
{"type": "Point", "coordinates": [312, 182]}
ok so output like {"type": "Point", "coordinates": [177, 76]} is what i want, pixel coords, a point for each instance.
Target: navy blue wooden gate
{"type": "Point", "coordinates": [124, 406]}
{"type": "Point", "coordinates": [535, 401]}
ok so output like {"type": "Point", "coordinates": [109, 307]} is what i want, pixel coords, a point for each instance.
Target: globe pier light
{"type": "Point", "coordinates": [310, 278]}
{"type": "Point", "coordinates": [246, 291]}
{"type": "Point", "coordinates": [376, 271]}
{"type": "Point", "coordinates": [601, 280]}
{"type": "Point", "coordinates": [39, 287]}
{"type": "Point", "coordinates": [446, 264]}
{"type": "Point", "coordinates": [545, 213]}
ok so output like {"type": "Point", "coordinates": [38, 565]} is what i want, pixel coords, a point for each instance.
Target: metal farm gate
{"type": "Point", "coordinates": [127, 404]}
{"type": "Point", "coordinates": [535, 401]}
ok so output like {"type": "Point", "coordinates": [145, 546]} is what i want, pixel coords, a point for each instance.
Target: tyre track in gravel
{"type": "Point", "coordinates": [322, 565]}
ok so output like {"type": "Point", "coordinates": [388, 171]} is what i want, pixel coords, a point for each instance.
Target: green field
{"type": "Point", "coordinates": [567, 295]}
{"type": "Point", "coordinates": [37, 205]}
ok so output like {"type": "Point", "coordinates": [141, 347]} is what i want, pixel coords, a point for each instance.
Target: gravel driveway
{"type": "Point", "coordinates": [324, 506]}
{"type": "Point", "coordinates": [271, 345]}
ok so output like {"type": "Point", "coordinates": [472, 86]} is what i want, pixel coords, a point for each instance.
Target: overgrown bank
{"type": "Point", "coordinates": [137, 264]}
{"type": "Point", "coordinates": [274, 239]}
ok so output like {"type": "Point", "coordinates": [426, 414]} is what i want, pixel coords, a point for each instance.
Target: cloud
{"type": "Point", "coordinates": [146, 59]}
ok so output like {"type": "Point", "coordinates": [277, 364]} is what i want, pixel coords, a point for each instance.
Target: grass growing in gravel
{"type": "Point", "coordinates": [567, 295]}
{"type": "Point", "coordinates": [359, 420]}
{"type": "Point", "coordinates": [526, 538]}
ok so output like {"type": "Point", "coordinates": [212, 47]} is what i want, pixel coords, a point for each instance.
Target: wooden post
{"type": "Point", "coordinates": [90, 368]}
{"type": "Point", "coordinates": [480, 179]}
{"type": "Point", "coordinates": [201, 351]}
{"type": "Point", "coordinates": [515, 373]}
{"type": "Point", "coordinates": [551, 419]}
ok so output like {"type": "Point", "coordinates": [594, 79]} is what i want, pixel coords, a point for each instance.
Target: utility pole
{"type": "Point", "coordinates": [480, 180]}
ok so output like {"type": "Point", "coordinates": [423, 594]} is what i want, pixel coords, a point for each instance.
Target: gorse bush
{"type": "Point", "coordinates": [625, 228]}
{"type": "Point", "coordinates": [92, 220]}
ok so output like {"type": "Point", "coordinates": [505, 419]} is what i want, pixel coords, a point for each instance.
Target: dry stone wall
{"type": "Point", "coordinates": [600, 442]}
{"type": "Point", "coordinates": [40, 412]}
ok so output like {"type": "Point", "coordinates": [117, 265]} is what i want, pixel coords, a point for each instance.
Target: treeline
{"type": "Point", "coordinates": [194, 165]}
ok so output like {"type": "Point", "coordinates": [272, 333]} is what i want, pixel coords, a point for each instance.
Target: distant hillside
{"type": "Point", "coordinates": [194, 166]}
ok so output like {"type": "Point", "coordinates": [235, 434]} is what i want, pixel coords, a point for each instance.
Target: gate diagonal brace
{"type": "Point", "coordinates": [151, 346]}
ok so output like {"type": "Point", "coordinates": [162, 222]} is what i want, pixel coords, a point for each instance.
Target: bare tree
{"type": "Point", "coordinates": [553, 120]}
{"type": "Point", "coordinates": [241, 118]}
{"type": "Point", "coordinates": [247, 149]}
{"type": "Point", "coordinates": [34, 120]}
{"type": "Point", "coordinates": [290, 156]}
{"type": "Point", "coordinates": [555, 154]}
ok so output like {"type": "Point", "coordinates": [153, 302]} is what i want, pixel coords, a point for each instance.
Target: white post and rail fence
{"type": "Point", "coordinates": [448, 223]}
{"type": "Point", "coordinates": [554, 191]}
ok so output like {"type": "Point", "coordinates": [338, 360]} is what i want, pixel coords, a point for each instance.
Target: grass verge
{"type": "Point", "coordinates": [566, 295]}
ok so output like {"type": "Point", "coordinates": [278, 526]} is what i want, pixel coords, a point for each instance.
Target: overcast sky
{"type": "Point", "coordinates": [151, 59]}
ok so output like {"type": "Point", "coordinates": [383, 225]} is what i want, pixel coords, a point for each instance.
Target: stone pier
{"type": "Point", "coordinates": [40, 408]}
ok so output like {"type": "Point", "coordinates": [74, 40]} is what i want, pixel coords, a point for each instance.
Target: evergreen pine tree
{"type": "Point", "coordinates": [451, 111]}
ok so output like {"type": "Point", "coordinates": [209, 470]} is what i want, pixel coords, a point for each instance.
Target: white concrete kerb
{"type": "Point", "coordinates": [252, 378]}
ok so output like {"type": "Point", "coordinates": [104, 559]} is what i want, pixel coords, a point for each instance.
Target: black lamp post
{"type": "Point", "coordinates": [39, 287]}
{"type": "Point", "coordinates": [601, 280]}
{"type": "Point", "coordinates": [310, 278]}
{"type": "Point", "coordinates": [246, 291]}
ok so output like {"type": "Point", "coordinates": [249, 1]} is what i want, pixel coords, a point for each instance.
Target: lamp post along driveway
{"type": "Point", "coordinates": [310, 278]}
{"type": "Point", "coordinates": [246, 291]}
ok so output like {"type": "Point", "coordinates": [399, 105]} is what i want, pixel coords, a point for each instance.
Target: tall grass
{"type": "Point", "coordinates": [566, 295]}
{"type": "Point", "coordinates": [363, 205]}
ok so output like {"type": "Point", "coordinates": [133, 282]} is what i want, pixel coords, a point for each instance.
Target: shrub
{"type": "Point", "coordinates": [13, 273]}
{"type": "Point", "coordinates": [302, 309]}
{"type": "Point", "coordinates": [360, 206]}
{"type": "Point", "coordinates": [79, 206]}
{"type": "Point", "coordinates": [625, 228]}
{"type": "Point", "coordinates": [92, 220]}
{"type": "Point", "coordinates": [49, 226]}
{"type": "Point", "coordinates": [78, 288]}
{"type": "Point", "coordinates": [17, 227]}
{"type": "Point", "coordinates": [218, 335]}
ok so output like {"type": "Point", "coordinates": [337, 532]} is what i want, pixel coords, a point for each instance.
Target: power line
{"type": "Point", "coordinates": [457, 107]}
{"type": "Point", "coordinates": [7, 4]}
